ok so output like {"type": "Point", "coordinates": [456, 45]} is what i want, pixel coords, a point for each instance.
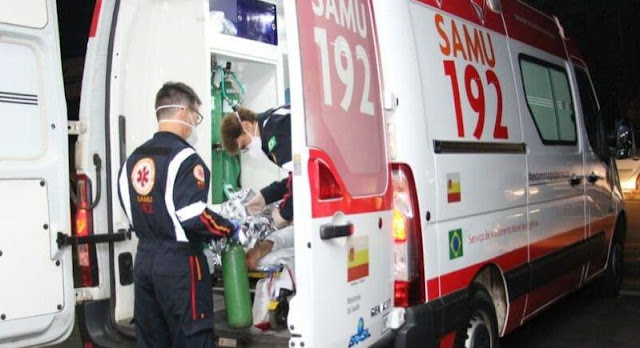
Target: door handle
{"type": "Point", "coordinates": [593, 178]}
{"type": "Point", "coordinates": [575, 180]}
{"type": "Point", "coordinates": [330, 231]}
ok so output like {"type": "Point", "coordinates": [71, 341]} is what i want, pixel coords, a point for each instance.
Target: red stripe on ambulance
{"type": "Point", "coordinates": [461, 278]}
{"type": "Point", "coordinates": [94, 20]}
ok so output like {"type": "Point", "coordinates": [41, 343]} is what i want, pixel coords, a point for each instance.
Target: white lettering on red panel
{"type": "Point", "coordinates": [336, 45]}
{"type": "Point", "coordinates": [474, 46]}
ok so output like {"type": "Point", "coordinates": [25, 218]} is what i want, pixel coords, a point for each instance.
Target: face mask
{"type": "Point", "coordinates": [193, 138]}
{"type": "Point", "coordinates": [255, 147]}
{"type": "Point", "coordinates": [192, 127]}
{"type": "Point", "coordinates": [188, 124]}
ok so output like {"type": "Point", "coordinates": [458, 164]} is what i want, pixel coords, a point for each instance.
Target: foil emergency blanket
{"type": "Point", "coordinates": [253, 228]}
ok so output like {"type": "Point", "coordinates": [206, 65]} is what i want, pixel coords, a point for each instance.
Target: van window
{"type": "Point", "coordinates": [343, 108]}
{"type": "Point", "coordinates": [548, 96]}
{"type": "Point", "coordinates": [591, 114]}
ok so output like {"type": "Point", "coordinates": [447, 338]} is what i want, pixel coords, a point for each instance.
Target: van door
{"type": "Point", "coordinates": [342, 203]}
{"type": "Point", "coordinates": [154, 42]}
{"type": "Point", "coordinates": [37, 296]}
{"type": "Point", "coordinates": [556, 186]}
{"type": "Point", "coordinates": [601, 209]}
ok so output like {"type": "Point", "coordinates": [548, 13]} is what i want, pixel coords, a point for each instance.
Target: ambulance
{"type": "Point", "coordinates": [451, 172]}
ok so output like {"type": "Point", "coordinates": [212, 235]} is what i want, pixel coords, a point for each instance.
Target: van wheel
{"type": "Point", "coordinates": [481, 328]}
{"type": "Point", "coordinates": [612, 280]}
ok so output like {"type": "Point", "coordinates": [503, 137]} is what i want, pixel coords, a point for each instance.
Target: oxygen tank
{"type": "Point", "coordinates": [236, 287]}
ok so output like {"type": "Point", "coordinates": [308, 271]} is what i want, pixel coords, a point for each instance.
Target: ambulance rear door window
{"type": "Point", "coordinates": [591, 112]}
{"type": "Point", "coordinates": [549, 100]}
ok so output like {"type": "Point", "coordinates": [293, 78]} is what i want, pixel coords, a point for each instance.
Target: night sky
{"type": "Point", "coordinates": [608, 34]}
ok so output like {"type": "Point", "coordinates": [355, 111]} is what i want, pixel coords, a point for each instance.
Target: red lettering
{"type": "Point", "coordinates": [476, 102]}
{"type": "Point", "coordinates": [491, 61]}
{"type": "Point", "coordinates": [457, 42]}
{"type": "Point", "coordinates": [474, 46]}
{"type": "Point", "coordinates": [500, 131]}
{"type": "Point", "coordinates": [445, 46]}
{"type": "Point", "coordinates": [450, 70]}
{"type": "Point", "coordinates": [146, 208]}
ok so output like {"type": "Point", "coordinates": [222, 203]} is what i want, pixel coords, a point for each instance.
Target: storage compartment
{"type": "Point", "coordinates": [257, 86]}
{"type": "Point", "coordinates": [245, 72]}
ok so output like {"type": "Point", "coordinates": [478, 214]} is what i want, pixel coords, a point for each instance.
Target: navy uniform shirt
{"type": "Point", "coordinates": [163, 188]}
{"type": "Point", "coordinates": [275, 133]}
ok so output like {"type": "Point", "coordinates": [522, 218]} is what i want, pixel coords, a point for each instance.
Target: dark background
{"type": "Point", "coordinates": [607, 32]}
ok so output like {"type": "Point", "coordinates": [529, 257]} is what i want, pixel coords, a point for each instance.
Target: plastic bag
{"type": "Point", "coordinates": [268, 289]}
{"type": "Point", "coordinates": [260, 308]}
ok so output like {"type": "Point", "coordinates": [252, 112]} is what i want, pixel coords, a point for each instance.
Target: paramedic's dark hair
{"type": "Point", "coordinates": [175, 93]}
{"type": "Point", "coordinates": [231, 129]}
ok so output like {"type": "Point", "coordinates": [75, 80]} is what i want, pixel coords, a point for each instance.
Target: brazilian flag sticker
{"type": "Point", "coordinates": [455, 244]}
{"type": "Point", "coordinates": [273, 142]}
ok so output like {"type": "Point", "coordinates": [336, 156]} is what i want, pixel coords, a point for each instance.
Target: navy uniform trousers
{"type": "Point", "coordinates": [163, 189]}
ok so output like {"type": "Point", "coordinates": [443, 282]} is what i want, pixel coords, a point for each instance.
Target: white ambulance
{"type": "Point", "coordinates": [450, 167]}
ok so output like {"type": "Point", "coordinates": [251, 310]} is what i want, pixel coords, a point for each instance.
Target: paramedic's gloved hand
{"type": "Point", "coordinates": [234, 235]}
{"type": "Point", "coordinates": [256, 204]}
{"type": "Point", "coordinates": [279, 221]}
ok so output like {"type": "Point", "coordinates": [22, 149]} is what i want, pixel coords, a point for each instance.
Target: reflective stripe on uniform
{"type": "Point", "coordinates": [172, 172]}
{"type": "Point", "coordinates": [123, 182]}
{"type": "Point", "coordinates": [190, 211]}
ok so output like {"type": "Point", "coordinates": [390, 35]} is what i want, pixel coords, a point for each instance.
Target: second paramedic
{"type": "Point", "coordinates": [163, 188]}
{"type": "Point", "coordinates": [257, 134]}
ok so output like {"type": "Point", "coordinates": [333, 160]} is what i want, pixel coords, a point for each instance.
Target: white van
{"type": "Point", "coordinates": [629, 169]}
{"type": "Point", "coordinates": [455, 147]}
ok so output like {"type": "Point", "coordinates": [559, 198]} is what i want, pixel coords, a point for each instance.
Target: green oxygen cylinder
{"type": "Point", "coordinates": [236, 287]}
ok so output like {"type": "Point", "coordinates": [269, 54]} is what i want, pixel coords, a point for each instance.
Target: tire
{"type": "Point", "coordinates": [481, 327]}
{"type": "Point", "coordinates": [612, 280]}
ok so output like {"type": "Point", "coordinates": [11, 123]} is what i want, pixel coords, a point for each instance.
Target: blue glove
{"type": "Point", "coordinates": [236, 229]}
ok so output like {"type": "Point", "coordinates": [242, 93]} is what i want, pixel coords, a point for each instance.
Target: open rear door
{"type": "Point", "coordinates": [153, 42]}
{"type": "Point", "coordinates": [37, 295]}
{"type": "Point", "coordinates": [343, 198]}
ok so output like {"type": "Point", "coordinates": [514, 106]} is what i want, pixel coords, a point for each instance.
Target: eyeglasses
{"type": "Point", "coordinates": [200, 117]}
{"type": "Point", "coordinates": [179, 106]}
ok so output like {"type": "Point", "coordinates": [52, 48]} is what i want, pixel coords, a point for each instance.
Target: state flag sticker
{"type": "Point", "coordinates": [358, 258]}
{"type": "Point", "coordinates": [454, 190]}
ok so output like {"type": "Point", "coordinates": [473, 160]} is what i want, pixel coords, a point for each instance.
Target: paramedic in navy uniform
{"type": "Point", "coordinates": [163, 188]}
{"type": "Point", "coordinates": [268, 133]}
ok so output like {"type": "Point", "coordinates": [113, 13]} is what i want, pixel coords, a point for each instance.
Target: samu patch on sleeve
{"type": "Point", "coordinates": [198, 173]}
{"type": "Point", "coordinates": [273, 142]}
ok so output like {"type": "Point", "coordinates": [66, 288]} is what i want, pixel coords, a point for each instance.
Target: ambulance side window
{"type": "Point", "coordinates": [591, 114]}
{"type": "Point", "coordinates": [548, 94]}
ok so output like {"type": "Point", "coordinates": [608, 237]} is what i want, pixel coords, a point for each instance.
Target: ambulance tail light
{"type": "Point", "coordinates": [329, 187]}
{"type": "Point", "coordinates": [85, 272]}
{"type": "Point", "coordinates": [409, 289]}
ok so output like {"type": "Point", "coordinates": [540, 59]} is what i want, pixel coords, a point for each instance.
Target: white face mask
{"type": "Point", "coordinates": [192, 138]}
{"type": "Point", "coordinates": [254, 149]}
{"type": "Point", "coordinates": [192, 127]}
